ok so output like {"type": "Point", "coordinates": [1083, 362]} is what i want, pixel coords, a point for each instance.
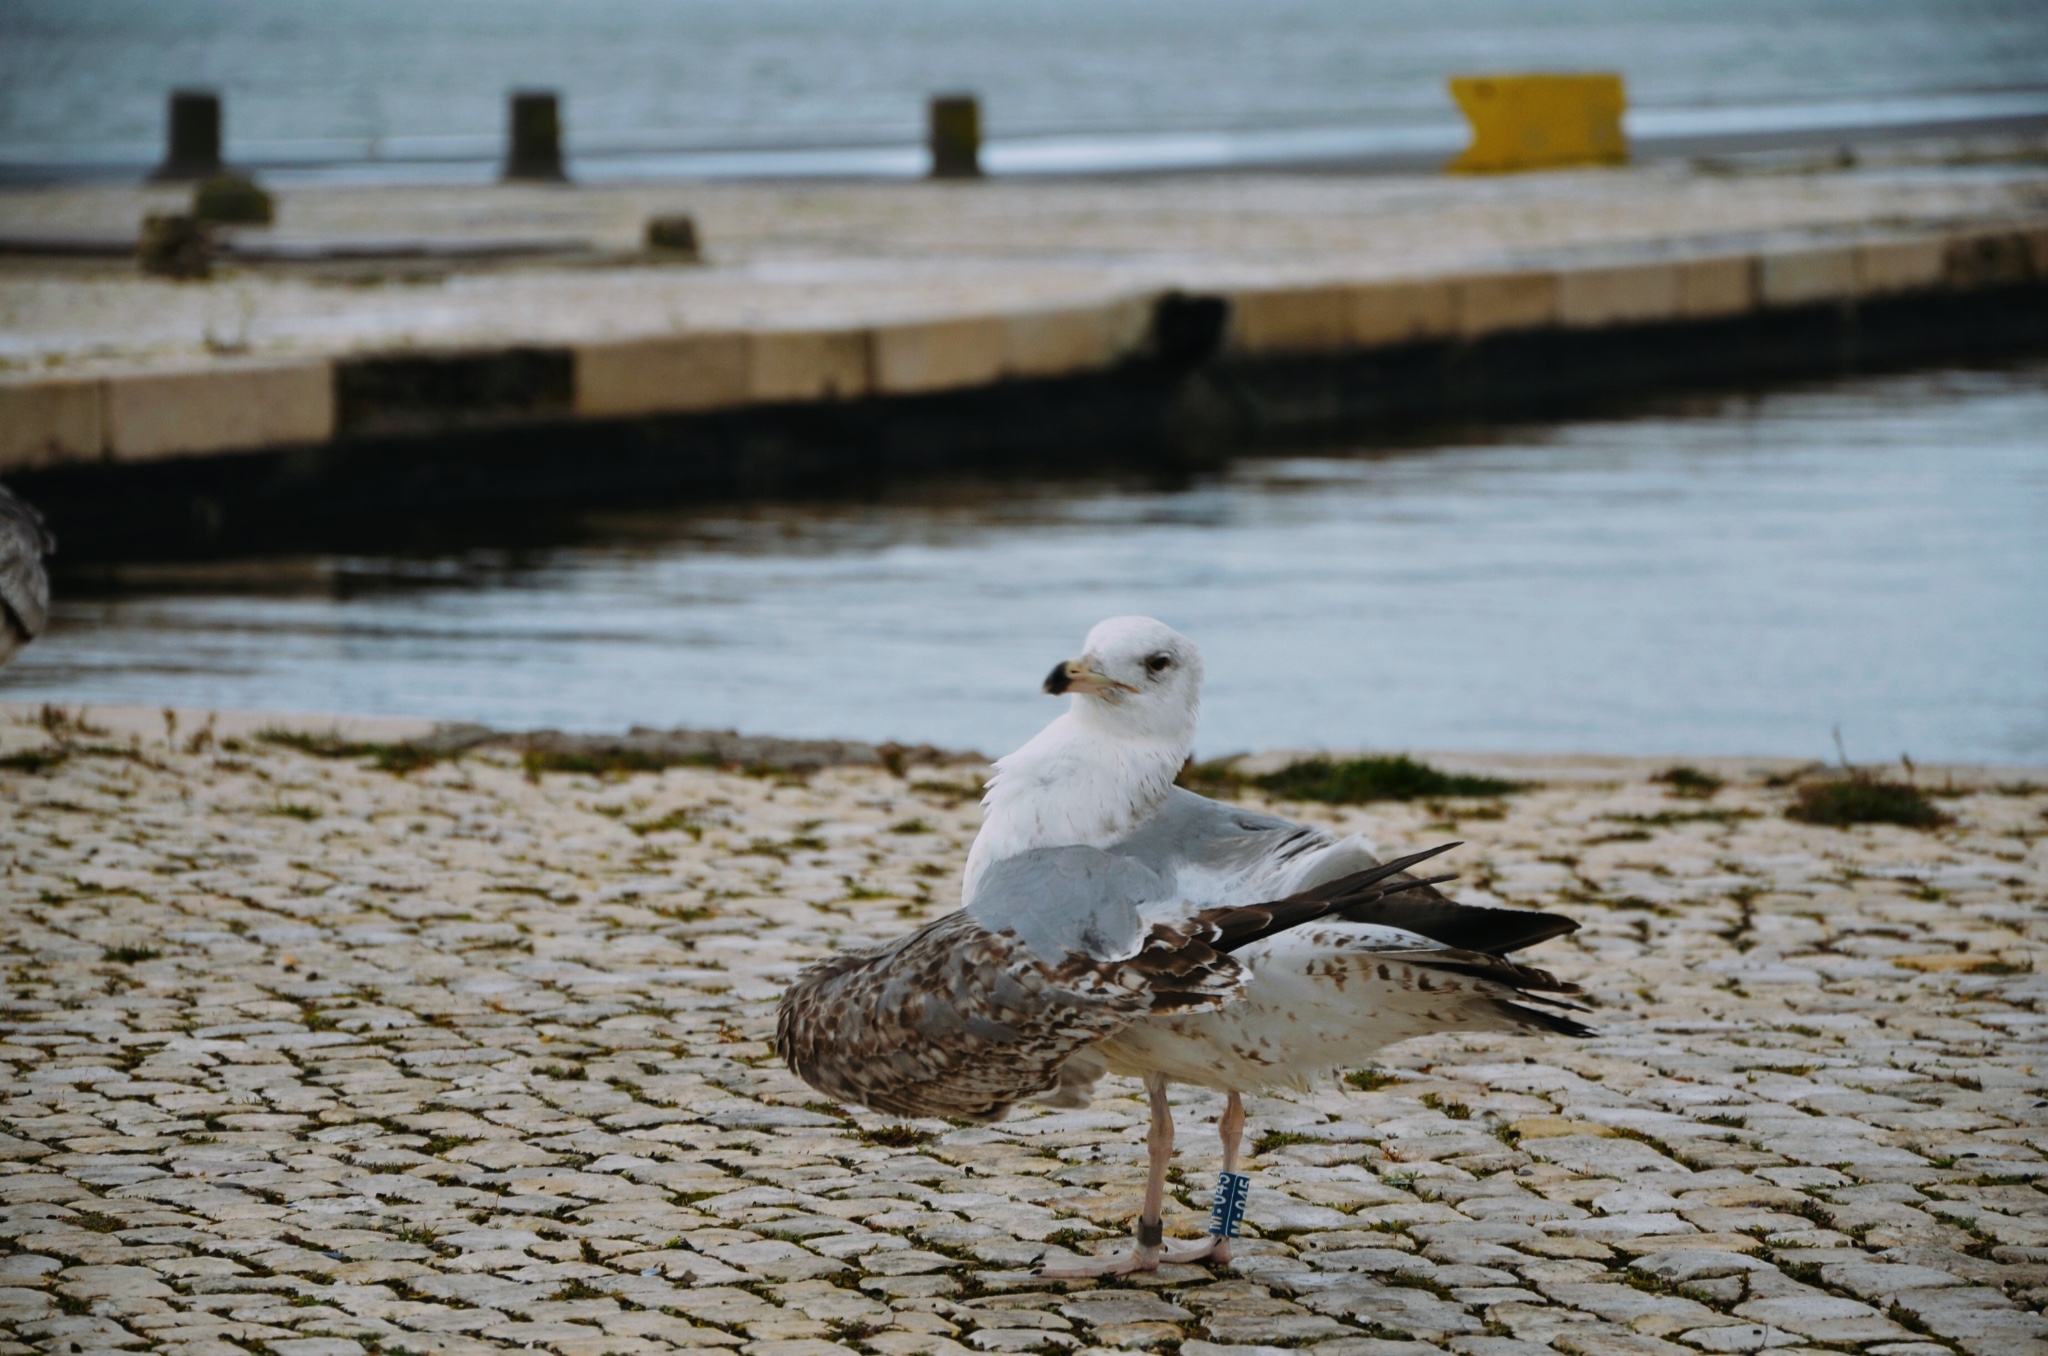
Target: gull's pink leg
{"type": "Point", "coordinates": [1230, 1128]}
{"type": "Point", "coordinates": [1146, 1254]}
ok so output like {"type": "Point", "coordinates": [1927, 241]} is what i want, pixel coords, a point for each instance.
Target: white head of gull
{"type": "Point", "coordinates": [1116, 923]}
{"type": "Point", "coordinates": [1108, 763]}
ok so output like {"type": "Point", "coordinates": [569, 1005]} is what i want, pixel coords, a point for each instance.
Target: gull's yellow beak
{"type": "Point", "coordinates": [1078, 675]}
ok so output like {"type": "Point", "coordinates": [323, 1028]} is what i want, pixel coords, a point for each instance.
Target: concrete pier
{"type": "Point", "coordinates": [831, 328]}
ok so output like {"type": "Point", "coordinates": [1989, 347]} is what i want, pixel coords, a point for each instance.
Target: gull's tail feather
{"type": "Point", "coordinates": [1535, 999]}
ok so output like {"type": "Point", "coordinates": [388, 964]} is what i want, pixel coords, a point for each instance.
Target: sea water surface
{"type": "Point", "coordinates": [383, 89]}
{"type": "Point", "coordinates": [1732, 573]}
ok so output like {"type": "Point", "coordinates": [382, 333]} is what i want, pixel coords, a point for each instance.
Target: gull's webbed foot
{"type": "Point", "coordinates": [1139, 1258]}
{"type": "Point", "coordinates": [1145, 1255]}
{"type": "Point", "coordinates": [1210, 1249]}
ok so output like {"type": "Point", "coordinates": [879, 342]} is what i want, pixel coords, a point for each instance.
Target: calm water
{"type": "Point", "coordinates": [1735, 574]}
{"type": "Point", "coordinates": [422, 82]}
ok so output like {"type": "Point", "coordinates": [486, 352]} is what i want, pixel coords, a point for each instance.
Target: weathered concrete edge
{"type": "Point", "coordinates": [640, 748]}
{"type": "Point", "coordinates": [238, 405]}
{"type": "Point", "coordinates": [728, 748]}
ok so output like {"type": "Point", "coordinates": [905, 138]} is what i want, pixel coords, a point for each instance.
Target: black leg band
{"type": "Point", "coordinates": [1151, 1233]}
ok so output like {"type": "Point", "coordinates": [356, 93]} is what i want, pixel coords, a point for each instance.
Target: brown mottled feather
{"type": "Point", "coordinates": [958, 1021]}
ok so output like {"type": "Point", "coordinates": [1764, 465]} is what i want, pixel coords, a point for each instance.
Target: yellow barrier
{"type": "Point", "coordinates": [1523, 122]}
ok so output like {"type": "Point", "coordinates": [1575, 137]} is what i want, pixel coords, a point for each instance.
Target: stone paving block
{"type": "Point", "coordinates": [44, 421]}
{"type": "Point", "coordinates": [1291, 319]}
{"type": "Point", "coordinates": [784, 365]}
{"type": "Point", "coordinates": [663, 374]}
{"type": "Point", "coordinates": [1717, 286]}
{"type": "Point", "coordinates": [1989, 258]}
{"type": "Point", "coordinates": [939, 355]}
{"type": "Point", "coordinates": [1900, 265]}
{"type": "Point", "coordinates": [1803, 277]}
{"type": "Point", "coordinates": [1490, 303]}
{"type": "Point", "coordinates": [1824, 1318]}
{"type": "Point", "coordinates": [227, 407]}
{"type": "Point", "coordinates": [1619, 294]}
{"type": "Point", "coordinates": [1403, 310]}
{"type": "Point", "coordinates": [1066, 342]}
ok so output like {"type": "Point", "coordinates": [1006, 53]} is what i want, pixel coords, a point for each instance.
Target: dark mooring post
{"type": "Point", "coordinates": [194, 150]}
{"type": "Point", "coordinates": [956, 137]}
{"type": "Point", "coordinates": [536, 150]}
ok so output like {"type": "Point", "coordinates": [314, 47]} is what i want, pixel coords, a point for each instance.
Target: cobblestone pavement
{"type": "Point", "coordinates": [309, 1058]}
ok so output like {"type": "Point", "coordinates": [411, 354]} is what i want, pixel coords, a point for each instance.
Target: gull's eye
{"type": "Point", "coordinates": [1159, 663]}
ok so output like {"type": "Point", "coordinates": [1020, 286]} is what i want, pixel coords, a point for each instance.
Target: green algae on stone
{"type": "Point", "coordinates": [1864, 798]}
{"type": "Point", "coordinates": [1350, 781]}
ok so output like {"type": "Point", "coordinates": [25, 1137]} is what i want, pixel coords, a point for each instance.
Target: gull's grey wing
{"type": "Point", "coordinates": [1192, 836]}
{"type": "Point", "coordinates": [24, 587]}
{"type": "Point", "coordinates": [1064, 901]}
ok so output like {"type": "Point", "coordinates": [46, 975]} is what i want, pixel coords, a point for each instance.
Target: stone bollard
{"type": "Point", "coordinates": [194, 149]}
{"type": "Point", "coordinates": [956, 136]}
{"type": "Point", "coordinates": [536, 150]}
{"type": "Point", "coordinates": [174, 247]}
{"type": "Point", "coordinates": [674, 237]}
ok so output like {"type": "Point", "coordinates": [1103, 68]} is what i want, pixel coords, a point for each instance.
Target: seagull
{"type": "Point", "coordinates": [24, 587]}
{"type": "Point", "coordinates": [1112, 921]}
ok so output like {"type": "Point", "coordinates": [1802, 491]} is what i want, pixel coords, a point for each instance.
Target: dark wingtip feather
{"type": "Point", "coordinates": [1240, 926]}
{"type": "Point", "coordinates": [1468, 927]}
{"type": "Point", "coordinates": [1554, 1022]}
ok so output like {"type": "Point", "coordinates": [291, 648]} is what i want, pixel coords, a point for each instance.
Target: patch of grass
{"type": "Point", "coordinates": [290, 810]}
{"type": "Point", "coordinates": [579, 1290]}
{"type": "Point", "coordinates": [1279, 1139]}
{"type": "Point", "coordinates": [129, 955]}
{"type": "Point", "coordinates": [895, 1136]}
{"type": "Point", "coordinates": [57, 721]}
{"type": "Point", "coordinates": [912, 826]}
{"type": "Point", "coordinates": [1664, 819]}
{"type": "Point", "coordinates": [1370, 1080]}
{"type": "Point", "coordinates": [1690, 783]}
{"type": "Point", "coordinates": [952, 793]}
{"type": "Point", "coordinates": [1351, 781]}
{"type": "Point", "coordinates": [34, 760]}
{"type": "Point", "coordinates": [675, 821]}
{"type": "Point", "coordinates": [397, 759]}
{"type": "Point", "coordinates": [98, 1223]}
{"type": "Point", "coordinates": [1457, 1111]}
{"type": "Point", "coordinates": [609, 762]}
{"type": "Point", "coordinates": [1861, 797]}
